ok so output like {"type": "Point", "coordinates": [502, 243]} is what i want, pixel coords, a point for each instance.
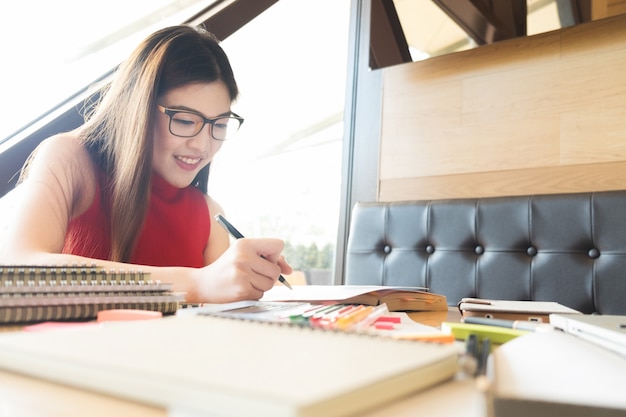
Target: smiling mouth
{"type": "Point", "coordinates": [188, 161]}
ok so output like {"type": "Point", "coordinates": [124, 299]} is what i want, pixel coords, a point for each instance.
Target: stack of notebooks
{"type": "Point", "coordinates": [33, 293]}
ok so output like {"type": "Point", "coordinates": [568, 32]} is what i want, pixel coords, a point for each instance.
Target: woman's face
{"type": "Point", "coordinates": [178, 159]}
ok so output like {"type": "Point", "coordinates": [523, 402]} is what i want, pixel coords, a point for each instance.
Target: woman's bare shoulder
{"type": "Point", "coordinates": [63, 151]}
{"type": "Point", "coordinates": [63, 161]}
{"type": "Point", "coordinates": [63, 146]}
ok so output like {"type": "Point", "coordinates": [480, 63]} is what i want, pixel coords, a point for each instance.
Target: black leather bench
{"type": "Point", "coordinates": [569, 248]}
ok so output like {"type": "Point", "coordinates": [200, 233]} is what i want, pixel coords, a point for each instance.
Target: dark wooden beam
{"type": "Point", "coordinates": [225, 17]}
{"type": "Point", "coordinates": [388, 45]}
{"type": "Point", "coordinates": [487, 21]}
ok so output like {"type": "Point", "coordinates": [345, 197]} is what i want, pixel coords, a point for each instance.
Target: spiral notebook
{"type": "Point", "coordinates": [200, 365]}
{"type": "Point", "coordinates": [35, 293]}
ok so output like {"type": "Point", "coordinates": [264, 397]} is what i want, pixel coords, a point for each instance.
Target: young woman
{"type": "Point", "coordinates": [128, 189]}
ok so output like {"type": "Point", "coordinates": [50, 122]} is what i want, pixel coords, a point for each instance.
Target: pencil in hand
{"type": "Point", "coordinates": [237, 235]}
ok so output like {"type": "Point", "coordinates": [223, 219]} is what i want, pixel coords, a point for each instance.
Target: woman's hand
{"type": "Point", "coordinates": [248, 268]}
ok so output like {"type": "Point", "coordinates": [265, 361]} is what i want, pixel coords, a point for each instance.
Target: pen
{"type": "Point", "coordinates": [471, 345]}
{"type": "Point", "coordinates": [237, 235]}
{"type": "Point", "coordinates": [531, 326]}
{"type": "Point", "coordinates": [483, 356]}
{"type": "Point", "coordinates": [469, 360]}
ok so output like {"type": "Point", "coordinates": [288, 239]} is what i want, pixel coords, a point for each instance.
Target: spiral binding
{"type": "Point", "coordinates": [29, 278]}
{"type": "Point", "coordinates": [33, 293]}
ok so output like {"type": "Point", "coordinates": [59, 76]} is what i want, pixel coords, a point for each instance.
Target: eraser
{"type": "Point", "coordinates": [127, 315]}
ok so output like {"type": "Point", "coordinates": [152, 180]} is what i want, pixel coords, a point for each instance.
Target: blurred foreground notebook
{"type": "Point", "coordinates": [608, 331]}
{"type": "Point", "coordinates": [213, 366]}
{"type": "Point", "coordinates": [548, 374]}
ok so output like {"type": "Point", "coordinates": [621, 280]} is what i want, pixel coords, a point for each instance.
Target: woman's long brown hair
{"type": "Point", "coordinates": [118, 127]}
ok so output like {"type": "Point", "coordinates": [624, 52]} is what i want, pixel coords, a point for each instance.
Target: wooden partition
{"type": "Point", "coordinates": [536, 115]}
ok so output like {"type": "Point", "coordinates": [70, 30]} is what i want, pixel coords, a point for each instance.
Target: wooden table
{"type": "Point", "coordinates": [435, 318]}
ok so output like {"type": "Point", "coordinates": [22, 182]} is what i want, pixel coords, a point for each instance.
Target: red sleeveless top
{"type": "Point", "coordinates": [175, 232]}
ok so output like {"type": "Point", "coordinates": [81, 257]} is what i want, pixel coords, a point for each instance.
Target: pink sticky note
{"type": "Point", "coordinates": [51, 325]}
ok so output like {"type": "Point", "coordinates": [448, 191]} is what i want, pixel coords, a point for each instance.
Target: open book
{"type": "Point", "coordinates": [214, 366]}
{"type": "Point", "coordinates": [396, 298]}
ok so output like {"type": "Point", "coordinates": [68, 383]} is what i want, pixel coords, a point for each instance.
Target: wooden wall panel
{"type": "Point", "coordinates": [615, 7]}
{"type": "Point", "coordinates": [537, 115]}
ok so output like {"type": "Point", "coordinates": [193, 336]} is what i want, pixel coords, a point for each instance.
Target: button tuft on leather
{"type": "Point", "coordinates": [430, 249]}
{"type": "Point", "coordinates": [594, 253]}
{"type": "Point", "coordinates": [387, 249]}
{"type": "Point", "coordinates": [531, 251]}
{"type": "Point", "coordinates": [479, 250]}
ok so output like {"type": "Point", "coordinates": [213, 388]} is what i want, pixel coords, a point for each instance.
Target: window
{"type": "Point", "coordinates": [281, 175]}
{"type": "Point", "coordinates": [68, 44]}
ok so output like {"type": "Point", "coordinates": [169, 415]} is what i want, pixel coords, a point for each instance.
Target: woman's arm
{"type": "Point", "coordinates": [61, 185]}
{"type": "Point", "coordinates": [242, 270]}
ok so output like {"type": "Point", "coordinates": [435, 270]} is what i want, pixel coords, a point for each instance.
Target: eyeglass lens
{"type": "Point", "coordinates": [190, 124]}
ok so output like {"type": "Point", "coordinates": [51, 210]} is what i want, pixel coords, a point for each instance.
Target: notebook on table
{"type": "Point", "coordinates": [608, 331]}
{"type": "Point", "coordinates": [208, 366]}
{"type": "Point", "coordinates": [538, 311]}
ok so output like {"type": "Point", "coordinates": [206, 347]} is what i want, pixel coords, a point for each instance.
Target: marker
{"type": "Point", "coordinates": [376, 313]}
{"type": "Point", "coordinates": [319, 315]}
{"type": "Point", "coordinates": [237, 235]}
{"type": "Point", "coordinates": [303, 317]}
{"type": "Point", "coordinates": [352, 318]}
{"type": "Point", "coordinates": [328, 320]}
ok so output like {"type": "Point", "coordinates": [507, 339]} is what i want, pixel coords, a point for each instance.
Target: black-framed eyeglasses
{"type": "Point", "coordinates": [187, 124]}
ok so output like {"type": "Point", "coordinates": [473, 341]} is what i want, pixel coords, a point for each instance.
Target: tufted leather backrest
{"type": "Point", "coordinates": [569, 248]}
